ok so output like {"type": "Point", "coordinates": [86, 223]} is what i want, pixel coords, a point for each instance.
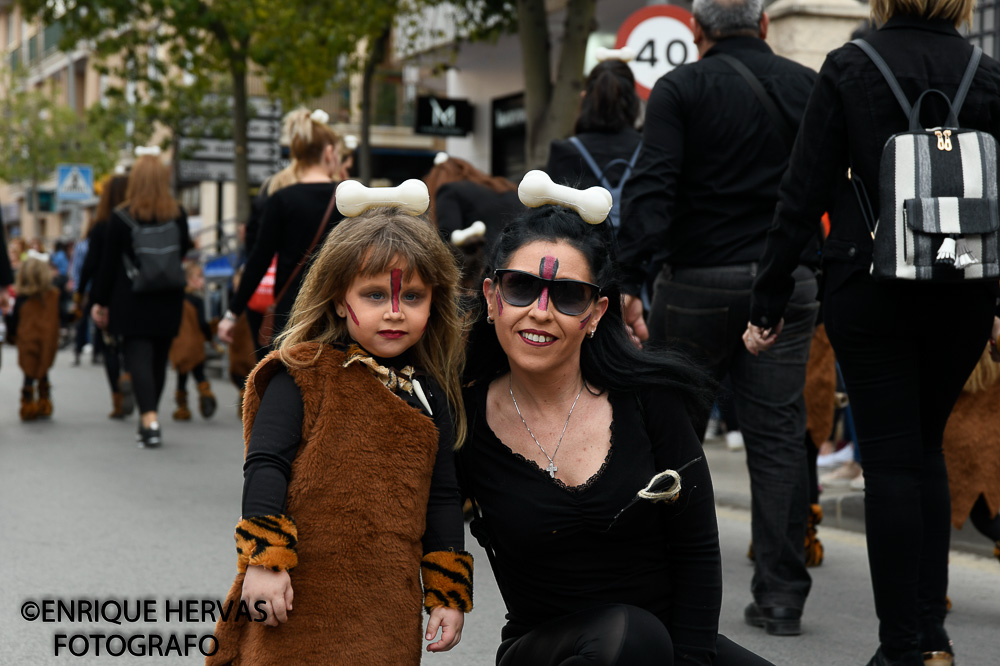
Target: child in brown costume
{"type": "Point", "coordinates": [349, 481]}
{"type": "Point", "coordinates": [35, 327]}
{"type": "Point", "coordinates": [187, 352]}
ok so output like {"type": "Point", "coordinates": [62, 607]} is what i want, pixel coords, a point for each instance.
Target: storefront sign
{"type": "Point", "coordinates": [441, 116]}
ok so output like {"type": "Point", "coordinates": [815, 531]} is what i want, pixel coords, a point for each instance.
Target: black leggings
{"type": "Point", "coordinates": [988, 526]}
{"type": "Point", "coordinates": [613, 635]}
{"type": "Point", "coordinates": [29, 382]}
{"type": "Point", "coordinates": [199, 376]}
{"type": "Point", "coordinates": [111, 353]}
{"type": "Point", "coordinates": [146, 358]}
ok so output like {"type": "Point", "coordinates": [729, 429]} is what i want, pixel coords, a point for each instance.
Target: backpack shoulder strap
{"type": "Point", "coordinates": [880, 63]}
{"type": "Point", "coordinates": [126, 218]}
{"type": "Point", "coordinates": [784, 129]}
{"type": "Point", "coordinates": [588, 158]}
{"type": "Point", "coordinates": [970, 73]}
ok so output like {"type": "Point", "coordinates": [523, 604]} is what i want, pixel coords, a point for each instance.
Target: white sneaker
{"type": "Point", "coordinates": [734, 440]}
{"type": "Point", "coordinates": [858, 483]}
{"type": "Point", "coordinates": [842, 476]}
{"type": "Point", "coordinates": [837, 458]}
{"type": "Point", "coordinates": [713, 430]}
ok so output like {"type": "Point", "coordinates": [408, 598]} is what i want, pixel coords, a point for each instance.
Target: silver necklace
{"type": "Point", "coordinates": [551, 469]}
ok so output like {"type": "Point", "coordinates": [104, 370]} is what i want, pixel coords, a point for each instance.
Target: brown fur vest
{"type": "Point", "coordinates": [187, 351]}
{"type": "Point", "coordinates": [38, 333]}
{"type": "Point", "coordinates": [972, 452]}
{"type": "Point", "coordinates": [358, 493]}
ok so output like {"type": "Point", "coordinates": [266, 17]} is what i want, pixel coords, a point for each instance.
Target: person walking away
{"type": "Point", "coordinates": [187, 352]}
{"type": "Point", "coordinates": [294, 220]}
{"type": "Point", "coordinates": [903, 370]}
{"type": "Point", "coordinates": [35, 328]}
{"type": "Point", "coordinates": [119, 380]}
{"type": "Point", "coordinates": [716, 141]}
{"type": "Point", "coordinates": [139, 291]}
{"type": "Point", "coordinates": [349, 480]}
{"type": "Point", "coordinates": [6, 274]}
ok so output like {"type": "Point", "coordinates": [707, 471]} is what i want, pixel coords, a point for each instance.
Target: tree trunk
{"type": "Point", "coordinates": [36, 206]}
{"type": "Point", "coordinates": [375, 57]}
{"type": "Point", "coordinates": [551, 108]}
{"type": "Point", "coordinates": [238, 69]}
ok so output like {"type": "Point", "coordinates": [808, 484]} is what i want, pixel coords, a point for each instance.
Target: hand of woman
{"type": "Point", "coordinates": [994, 352]}
{"type": "Point", "coordinates": [226, 327]}
{"type": "Point", "coordinates": [99, 314]}
{"type": "Point", "coordinates": [274, 588]}
{"type": "Point", "coordinates": [632, 313]}
{"type": "Point", "coordinates": [759, 339]}
{"type": "Point", "coordinates": [450, 621]}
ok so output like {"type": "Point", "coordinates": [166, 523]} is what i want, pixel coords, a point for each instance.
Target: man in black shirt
{"type": "Point", "coordinates": [700, 202]}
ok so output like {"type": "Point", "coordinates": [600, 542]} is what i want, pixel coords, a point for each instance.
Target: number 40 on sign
{"type": "Point", "coordinates": [662, 39]}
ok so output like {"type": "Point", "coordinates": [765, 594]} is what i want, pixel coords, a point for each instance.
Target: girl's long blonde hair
{"type": "Point", "coordinates": [368, 245]}
{"type": "Point", "coordinates": [306, 139]}
{"type": "Point", "coordinates": [34, 277]}
{"type": "Point", "coordinates": [984, 375]}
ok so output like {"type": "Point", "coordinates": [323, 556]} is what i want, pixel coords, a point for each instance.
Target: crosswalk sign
{"type": "Point", "coordinates": [75, 182]}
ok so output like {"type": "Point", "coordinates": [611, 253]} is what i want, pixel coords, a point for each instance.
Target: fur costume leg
{"type": "Point", "coordinates": [182, 413]}
{"type": "Point", "coordinates": [814, 547]}
{"type": "Point", "coordinates": [206, 400]}
{"type": "Point", "coordinates": [44, 399]}
{"type": "Point", "coordinates": [116, 406]}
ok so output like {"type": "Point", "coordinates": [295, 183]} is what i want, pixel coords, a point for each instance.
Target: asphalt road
{"type": "Point", "coordinates": [87, 515]}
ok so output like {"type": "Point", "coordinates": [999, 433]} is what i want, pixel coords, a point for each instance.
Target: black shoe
{"type": "Point", "coordinates": [937, 648]}
{"type": "Point", "coordinates": [150, 438]}
{"type": "Point", "coordinates": [909, 659]}
{"type": "Point", "coordinates": [777, 621]}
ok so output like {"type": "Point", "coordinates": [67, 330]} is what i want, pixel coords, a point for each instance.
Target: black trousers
{"type": "Point", "coordinates": [905, 350]}
{"type": "Point", "coordinates": [199, 377]}
{"type": "Point", "coordinates": [613, 635]}
{"type": "Point", "coordinates": [146, 359]}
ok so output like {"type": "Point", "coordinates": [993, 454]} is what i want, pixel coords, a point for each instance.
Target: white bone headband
{"type": "Point", "coordinates": [440, 158]}
{"type": "Point", "coordinates": [592, 204]}
{"type": "Point", "coordinates": [460, 237]}
{"type": "Point", "coordinates": [353, 198]}
{"type": "Point", "coordinates": [40, 256]}
{"type": "Point", "coordinates": [625, 54]}
{"type": "Point", "coordinates": [350, 142]}
{"type": "Point", "coordinates": [320, 116]}
{"type": "Point", "coordinates": [151, 151]}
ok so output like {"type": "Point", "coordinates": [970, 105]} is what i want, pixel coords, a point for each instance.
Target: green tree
{"type": "Point", "coordinates": [37, 134]}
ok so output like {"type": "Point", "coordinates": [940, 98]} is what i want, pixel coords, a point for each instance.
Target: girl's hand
{"type": "Point", "coordinates": [225, 331]}
{"type": "Point", "coordinates": [272, 587]}
{"type": "Point", "coordinates": [450, 621]}
{"type": "Point", "coordinates": [100, 316]}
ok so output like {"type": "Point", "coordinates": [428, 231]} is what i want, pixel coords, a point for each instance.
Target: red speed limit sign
{"type": "Point", "coordinates": [661, 38]}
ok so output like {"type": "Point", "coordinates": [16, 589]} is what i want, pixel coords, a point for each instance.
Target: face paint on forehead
{"type": "Point", "coordinates": [396, 282]}
{"type": "Point", "coordinates": [547, 269]}
{"type": "Point", "coordinates": [354, 317]}
{"type": "Point", "coordinates": [583, 322]}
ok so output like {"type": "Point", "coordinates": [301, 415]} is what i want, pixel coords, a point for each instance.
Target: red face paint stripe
{"type": "Point", "coordinates": [353, 316]}
{"type": "Point", "coordinates": [396, 281]}
{"type": "Point", "coordinates": [499, 304]}
{"type": "Point", "coordinates": [547, 269]}
{"type": "Point", "coordinates": [584, 321]}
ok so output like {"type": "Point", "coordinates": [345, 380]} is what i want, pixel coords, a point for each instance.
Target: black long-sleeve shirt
{"type": "Point", "coordinates": [560, 550]}
{"type": "Point", "coordinates": [274, 442]}
{"type": "Point", "coordinates": [705, 185]}
{"type": "Point", "coordinates": [850, 115]}
{"type": "Point", "coordinates": [6, 273]}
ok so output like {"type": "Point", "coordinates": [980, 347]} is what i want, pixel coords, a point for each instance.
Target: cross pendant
{"type": "Point", "coordinates": [552, 469]}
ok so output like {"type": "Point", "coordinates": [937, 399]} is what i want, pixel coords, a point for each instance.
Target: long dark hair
{"type": "Point", "coordinates": [610, 103]}
{"type": "Point", "coordinates": [609, 360]}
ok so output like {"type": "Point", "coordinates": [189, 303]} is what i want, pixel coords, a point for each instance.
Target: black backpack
{"type": "Point", "coordinates": [157, 248]}
{"type": "Point", "coordinates": [614, 216]}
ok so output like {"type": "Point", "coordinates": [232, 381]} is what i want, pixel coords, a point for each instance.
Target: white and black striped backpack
{"type": "Point", "coordinates": [938, 214]}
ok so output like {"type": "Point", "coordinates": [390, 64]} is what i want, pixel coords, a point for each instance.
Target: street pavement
{"type": "Point", "coordinates": [88, 515]}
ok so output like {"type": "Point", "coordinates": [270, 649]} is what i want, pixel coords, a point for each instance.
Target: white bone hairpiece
{"type": "Point", "coordinates": [143, 151]}
{"type": "Point", "coordinates": [40, 256]}
{"type": "Point", "coordinates": [460, 237]}
{"type": "Point", "coordinates": [353, 198]}
{"type": "Point", "coordinates": [625, 54]}
{"type": "Point", "coordinates": [440, 158]}
{"type": "Point", "coordinates": [350, 142]}
{"type": "Point", "coordinates": [592, 204]}
{"type": "Point", "coordinates": [320, 116]}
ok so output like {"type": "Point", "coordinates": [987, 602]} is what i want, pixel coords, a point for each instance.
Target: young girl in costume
{"type": "Point", "coordinates": [35, 327]}
{"type": "Point", "coordinates": [349, 480]}
{"type": "Point", "coordinates": [187, 353]}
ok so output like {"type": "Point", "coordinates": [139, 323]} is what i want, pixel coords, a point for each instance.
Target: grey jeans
{"type": "Point", "coordinates": [704, 311]}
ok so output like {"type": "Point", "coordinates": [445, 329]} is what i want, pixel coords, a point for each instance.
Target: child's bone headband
{"type": "Point", "coordinates": [625, 54]}
{"type": "Point", "coordinates": [460, 237]}
{"type": "Point", "coordinates": [353, 198]}
{"type": "Point", "coordinates": [537, 189]}
{"type": "Point", "coordinates": [150, 151]}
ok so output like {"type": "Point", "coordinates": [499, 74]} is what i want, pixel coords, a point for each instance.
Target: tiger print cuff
{"type": "Point", "coordinates": [447, 578]}
{"type": "Point", "coordinates": [266, 541]}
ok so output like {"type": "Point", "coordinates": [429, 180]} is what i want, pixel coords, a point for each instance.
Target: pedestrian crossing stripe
{"type": "Point", "coordinates": [75, 182]}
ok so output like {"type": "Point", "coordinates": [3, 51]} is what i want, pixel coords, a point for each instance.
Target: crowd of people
{"type": "Point", "coordinates": [553, 357]}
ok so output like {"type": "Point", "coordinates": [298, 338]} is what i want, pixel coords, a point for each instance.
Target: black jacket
{"type": "Point", "coordinates": [706, 183]}
{"type": "Point", "coordinates": [567, 167]}
{"type": "Point", "coordinates": [458, 204]}
{"type": "Point", "coordinates": [850, 115]}
{"type": "Point", "coordinates": [6, 273]}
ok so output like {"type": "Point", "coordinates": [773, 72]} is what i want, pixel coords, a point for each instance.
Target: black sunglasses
{"type": "Point", "coordinates": [520, 289]}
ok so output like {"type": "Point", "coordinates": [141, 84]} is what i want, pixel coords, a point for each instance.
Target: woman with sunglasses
{"type": "Point", "coordinates": [568, 421]}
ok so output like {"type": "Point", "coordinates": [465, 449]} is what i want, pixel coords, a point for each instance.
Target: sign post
{"type": "Point", "coordinates": [74, 184]}
{"type": "Point", "coordinates": [662, 38]}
